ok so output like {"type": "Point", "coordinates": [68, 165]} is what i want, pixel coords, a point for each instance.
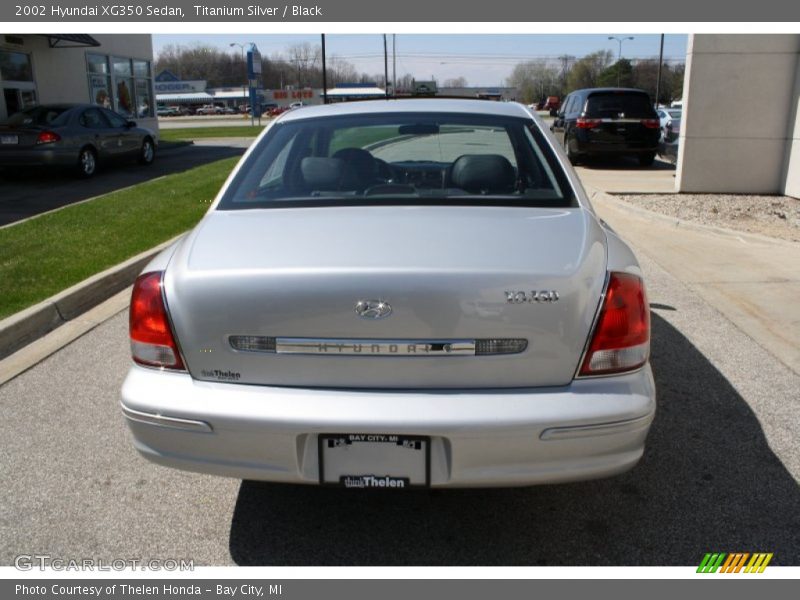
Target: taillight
{"type": "Point", "coordinates": [583, 123]}
{"type": "Point", "coordinates": [621, 339]}
{"type": "Point", "coordinates": [47, 137]}
{"type": "Point", "coordinates": [651, 123]}
{"type": "Point", "coordinates": [152, 341]}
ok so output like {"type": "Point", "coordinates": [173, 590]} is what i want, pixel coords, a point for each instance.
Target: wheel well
{"type": "Point", "coordinates": [90, 147]}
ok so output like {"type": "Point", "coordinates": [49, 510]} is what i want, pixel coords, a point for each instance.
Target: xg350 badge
{"type": "Point", "coordinates": [523, 297]}
{"type": "Point", "coordinates": [373, 309]}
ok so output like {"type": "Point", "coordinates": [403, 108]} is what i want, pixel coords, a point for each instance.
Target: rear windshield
{"type": "Point", "coordinates": [614, 104]}
{"type": "Point", "coordinates": [39, 115]}
{"type": "Point", "coordinates": [406, 158]}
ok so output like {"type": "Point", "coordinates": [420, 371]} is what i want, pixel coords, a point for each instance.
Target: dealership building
{"type": "Point", "coordinates": [114, 71]}
{"type": "Point", "coordinates": [741, 126]}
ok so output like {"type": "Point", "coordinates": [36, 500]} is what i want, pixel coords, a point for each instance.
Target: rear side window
{"type": "Point", "coordinates": [616, 104]}
{"type": "Point", "coordinates": [39, 115]}
{"type": "Point", "coordinates": [93, 119]}
{"type": "Point", "coordinates": [406, 158]}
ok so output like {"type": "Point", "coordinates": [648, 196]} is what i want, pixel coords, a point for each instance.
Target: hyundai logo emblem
{"type": "Point", "coordinates": [373, 309]}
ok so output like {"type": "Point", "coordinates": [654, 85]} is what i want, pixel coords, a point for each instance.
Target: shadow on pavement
{"type": "Point", "coordinates": [30, 192]}
{"type": "Point", "coordinates": [708, 482]}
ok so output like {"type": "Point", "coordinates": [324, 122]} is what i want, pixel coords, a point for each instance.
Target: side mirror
{"type": "Point", "coordinates": [130, 124]}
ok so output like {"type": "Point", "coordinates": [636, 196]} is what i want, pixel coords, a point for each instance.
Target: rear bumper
{"type": "Point", "coordinates": [585, 145]}
{"type": "Point", "coordinates": [38, 157]}
{"type": "Point", "coordinates": [589, 429]}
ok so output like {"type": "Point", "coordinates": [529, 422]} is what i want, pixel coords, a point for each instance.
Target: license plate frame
{"type": "Point", "coordinates": [10, 139]}
{"type": "Point", "coordinates": [372, 476]}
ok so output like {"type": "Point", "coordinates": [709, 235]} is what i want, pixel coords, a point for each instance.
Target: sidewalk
{"type": "Point", "coordinates": [626, 176]}
{"type": "Point", "coordinates": [753, 280]}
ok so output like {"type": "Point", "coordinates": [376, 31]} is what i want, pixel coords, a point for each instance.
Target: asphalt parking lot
{"type": "Point", "coordinates": [720, 473]}
{"type": "Point", "coordinates": [28, 193]}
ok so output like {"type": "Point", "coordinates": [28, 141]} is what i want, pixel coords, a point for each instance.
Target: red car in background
{"type": "Point", "coordinates": [553, 103]}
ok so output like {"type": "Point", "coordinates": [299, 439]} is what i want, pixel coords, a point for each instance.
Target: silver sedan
{"type": "Point", "coordinates": [395, 294]}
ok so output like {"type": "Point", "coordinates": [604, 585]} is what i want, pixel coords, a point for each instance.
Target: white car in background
{"type": "Point", "coordinates": [665, 116]}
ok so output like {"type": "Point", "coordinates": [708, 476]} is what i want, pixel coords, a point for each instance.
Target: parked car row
{"type": "Point", "coordinates": [215, 109]}
{"type": "Point", "coordinates": [269, 109]}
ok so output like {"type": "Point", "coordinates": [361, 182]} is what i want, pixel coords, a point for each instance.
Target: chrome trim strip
{"type": "Point", "coordinates": [373, 347]}
{"type": "Point", "coordinates": [581, 431]}
{"type": "Point", "coordinates": [623, 120]}
{"type": "Point", "coordinates": [162, 421]}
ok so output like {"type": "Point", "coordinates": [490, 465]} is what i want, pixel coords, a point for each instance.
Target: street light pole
{"type": "Point", "coordinates": [619, 56]}
{"type": "Point", "coordinates": [244, 62]}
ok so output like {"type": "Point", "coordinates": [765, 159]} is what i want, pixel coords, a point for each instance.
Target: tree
{"type": "Point", "coordinates": [585, 72]}
{"type": "Point", "coordinates": [305, 57]}
{"type": "Point", "coordinates": [534, 80]}
{"type": "Point", "coordinates": [340, 71]}
{"type": "Point", "coordinates": [620, 74]}
{"type": "Point", "coordinates": [677, 77]}
{"type": "Point", "coordinates": [455, 82]}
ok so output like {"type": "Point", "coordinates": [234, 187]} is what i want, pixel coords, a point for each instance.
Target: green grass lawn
{"type": "Point", "coordinates": [43, 256]}
{"type": "Point", "coordinates": [196, 133]}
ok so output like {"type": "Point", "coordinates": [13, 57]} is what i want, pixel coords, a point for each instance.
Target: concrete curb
{"type": "Point", "coordinates": [744, 236]}
{"type": "Point", "coordinates": [29, 325]}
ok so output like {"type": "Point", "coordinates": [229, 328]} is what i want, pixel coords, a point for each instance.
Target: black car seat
{"type": "Point", "coordinates": [363, 165]}
{"type": "Point", "coordinates": [483, 174]}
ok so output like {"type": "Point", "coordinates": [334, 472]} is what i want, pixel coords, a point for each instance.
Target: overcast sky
{"type": "Point", "coordinates": [483, 59]}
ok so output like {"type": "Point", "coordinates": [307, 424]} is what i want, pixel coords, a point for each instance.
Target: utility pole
{"type": "Point", "coordinates": [385, 66]}
{"type": "Point", "coordinates": [394, 64]}
{"type": "Point", "coordinates": [324, 74]}
{"type": "Point", "coordinates": [660, 62]}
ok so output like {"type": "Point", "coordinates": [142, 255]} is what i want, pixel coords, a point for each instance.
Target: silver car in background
{"type": "Point", "coordinates": [395, 294]}
{"type": "Point", "coordinates": [80, 137]}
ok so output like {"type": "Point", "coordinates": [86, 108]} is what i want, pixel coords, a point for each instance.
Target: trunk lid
{"type": "Point", "coordinates": [445, 271]}
{"type": "Point", "coordinates": [13, 138]}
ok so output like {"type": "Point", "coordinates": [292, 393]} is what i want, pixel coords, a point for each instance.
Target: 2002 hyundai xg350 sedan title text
{"type": "Point", "coordinates": [395, 294]}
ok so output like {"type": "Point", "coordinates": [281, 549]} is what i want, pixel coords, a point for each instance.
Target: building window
{"type": "Point", "coordinates": [99, 79]}
{"type": "Point", "coordinates": [123, 84]}
{"type": "Point", "coordinates": [15, 66]}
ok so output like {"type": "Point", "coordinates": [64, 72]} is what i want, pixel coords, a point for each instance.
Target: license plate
{"type": "Point", "coordinates": [9, 139]}
{"type": "Point", "coordinates": [374, 461]}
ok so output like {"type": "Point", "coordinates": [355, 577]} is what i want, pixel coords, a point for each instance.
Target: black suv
{"type": "Point", "coordinates": [604, 121]}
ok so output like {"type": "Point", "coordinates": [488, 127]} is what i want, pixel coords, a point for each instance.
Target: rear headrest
{"type": "Point", "coordinates": [323, 174]}
{"type": "Point", "coordinates": [361, 161]}
{"type": "Point", "coordinates": [483, 173]}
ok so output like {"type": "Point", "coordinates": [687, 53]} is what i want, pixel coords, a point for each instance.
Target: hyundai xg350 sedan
{"type": "Point", "coordinates": [395, 294]}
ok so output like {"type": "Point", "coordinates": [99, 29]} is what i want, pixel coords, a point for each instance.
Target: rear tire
{"type": "Point", "coordinates": [647, 159]}
{"type": "Point", "coordinates": [147, 153]}
{"type": "Point", "coordinates": [573, 156]}
{"type": "Point", "coordinates": [87, 162]}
